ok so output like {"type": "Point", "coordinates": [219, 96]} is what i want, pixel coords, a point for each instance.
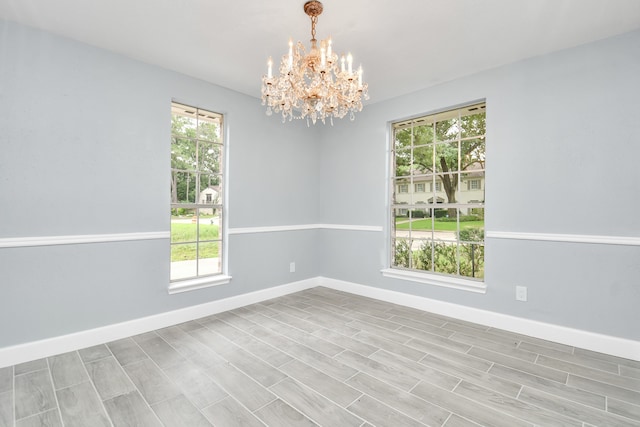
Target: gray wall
{"type": "Point", "coordinates": [84, 149]}
{"type": "Point", "coordinates": [562, 157]}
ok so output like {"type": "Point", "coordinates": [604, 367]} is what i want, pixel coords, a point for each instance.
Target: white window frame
{"type": "Point", "coordinates": [200, 281]}
{"type": "Point", "coordinates": [417, 186]}
{"type": "Point", "coordinates": [422, 276]}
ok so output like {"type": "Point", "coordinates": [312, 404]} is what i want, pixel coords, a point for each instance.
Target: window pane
{"type": "Point", "coordinates": [471, 225]}
{"type": "Point", "coordinates": [445, 225]}
{"type": "Point", "coordinates": [402, 253]}
{"type": "Point", "coordinates": [209, 258]}
{"type": "Point", "coordinates": [184, 125]}
{"type": "Point", "coordinates": [423, 255]}
{"type": "Point", "coordinates": [477, 213]}
{"type": "Point", "coordinates": [447, 130]}
{"type": "Point", "coordinates": [403, 224]}
{"type": "Point", "coordinates": [445, 257]}
{"type": "Point", "coordinates": [423, 159]}
{"type": "Point", "coordinates": [209, 157]}
{"type": "Point", "coordinates": [186, 183]}
{"type": "Point", "coordinates": [183, 154]}
{"type": "Point", "coordinates": [446, 157]}
{"type": "Point", "coordinates": [402, 138]}
{"type": "Point", "coordinates": [183, 225]}
{"type": "Point", "coordinates": [473, 125]}
{"type": "Point", "coordinates": [401, 214]}
{"type": "Point", "coordinates": [422, 134]}
{"type": "Point", "coordinates": [208, 228]}
{"type": "Point", "coordinates": [183, 261]}
{"type": "Point", "coordinates": [216, 219]}
{"type": "Point", "coordinates": [450, 191]}
{"type": "Point", "coordinates": [403, 162]}
{"type": "Point", "coordinates": [472, 152]}
{"type": "Point", "coordinates": [210, 194]}
{"type": "Point", "coordinates": [472, 260]}
{"type": "Point", "coordinates": [401, 191]}
{"type": "Point", "coordinates": [472, 190]}
{"type": "Point", "coordinates": [208, 126]}
{"type": "Point", "coordinates": [213, 181]}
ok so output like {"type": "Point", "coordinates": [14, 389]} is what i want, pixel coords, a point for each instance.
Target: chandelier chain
{"type": "Point", "coordinates": [314, 21]}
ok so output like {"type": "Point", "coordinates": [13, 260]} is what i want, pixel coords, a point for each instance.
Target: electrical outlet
{"type": "Point", "coordinates": [521, 293]}
{"type": "Point", "coordinates": [292, 267]}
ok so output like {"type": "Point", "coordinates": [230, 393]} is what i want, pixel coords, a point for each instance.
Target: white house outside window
{"type": "Point", "coordinates": [439, 232]}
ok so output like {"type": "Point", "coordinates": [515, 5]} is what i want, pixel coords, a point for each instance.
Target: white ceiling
{"type": "Point", "coordinates": [403, 45]}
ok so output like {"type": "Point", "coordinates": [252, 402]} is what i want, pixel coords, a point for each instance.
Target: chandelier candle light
{"type": "Point", "coordinates": [314, 85]}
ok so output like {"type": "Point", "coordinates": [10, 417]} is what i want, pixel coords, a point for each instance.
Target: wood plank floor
{"type": "Point", "coordinates": [323, 357]}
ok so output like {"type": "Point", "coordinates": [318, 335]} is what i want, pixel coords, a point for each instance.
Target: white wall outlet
{"type": "Point", "coordinates": [521, 293]}
{"type": "Point", "coordinates": [292, 267]}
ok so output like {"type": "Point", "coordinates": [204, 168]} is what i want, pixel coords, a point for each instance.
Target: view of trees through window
{"type": "Point", "coordinates": [196, 192]}
{"type": "Point", "coordinates": [440, 230]}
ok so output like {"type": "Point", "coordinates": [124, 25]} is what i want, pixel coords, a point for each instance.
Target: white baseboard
{"type": "Point", "coordinates": [615, 346]}
{"type": "Point", "coordinates": [48, 347]}
{"type": "Point", "coordinates": [601, 343]}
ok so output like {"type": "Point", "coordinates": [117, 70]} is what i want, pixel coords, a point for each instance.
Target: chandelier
{"type": "Point", "coordinates": [314, 85]}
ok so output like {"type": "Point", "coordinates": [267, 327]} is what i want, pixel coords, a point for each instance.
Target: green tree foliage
{"type": "Point", "coordinates": [195, 157]}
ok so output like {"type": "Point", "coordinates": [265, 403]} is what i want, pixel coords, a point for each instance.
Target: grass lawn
{"type": "Point", "coordinates": [187, 233]}
{"type": "Point", "coordinates": [425, 224]}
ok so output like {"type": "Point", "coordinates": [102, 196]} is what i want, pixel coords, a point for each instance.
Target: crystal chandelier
{"type": "Point", "coordinates": [314, 85]}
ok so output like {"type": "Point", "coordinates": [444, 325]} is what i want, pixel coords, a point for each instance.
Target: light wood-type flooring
{"type": "Point", "coordinates": [323, 357]}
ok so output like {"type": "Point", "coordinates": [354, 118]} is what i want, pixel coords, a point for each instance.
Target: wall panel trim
{"type": "Point", "coordinates": [277, 228]}
{"type": "Point", "coordinates": [21, 242]}
{"type": "Point", "coordinates": [567, 238]}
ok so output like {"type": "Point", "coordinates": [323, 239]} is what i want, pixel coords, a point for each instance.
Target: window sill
{"type": "Point", "coordinates": [198, 283]}
{"type": "Point", "coordinates": [436, 279]}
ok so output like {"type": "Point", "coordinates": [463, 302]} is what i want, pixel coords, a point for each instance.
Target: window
{"type": "Point", "coordinates": [403, 188]}
{"type": "Point", "coordinates": [197, 179]}
{"type": "Point", "coordinates": [445, 235]}
{"type": "Point", "coordinates": [419, 188]}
